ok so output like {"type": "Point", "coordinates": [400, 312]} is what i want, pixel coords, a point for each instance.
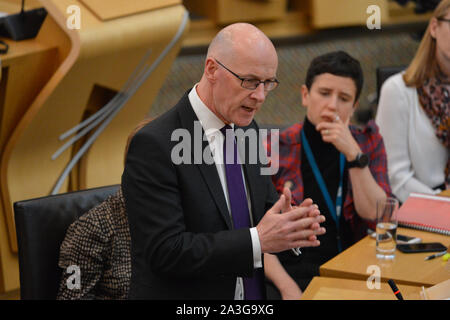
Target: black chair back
{"type": "Point", "coordinates": [385, 72]}
{"type": "Point", "coordinates": [41, 226]}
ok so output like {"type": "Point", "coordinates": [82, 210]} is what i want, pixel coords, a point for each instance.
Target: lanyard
{"type": "Point", "coordinates": [335, 209]}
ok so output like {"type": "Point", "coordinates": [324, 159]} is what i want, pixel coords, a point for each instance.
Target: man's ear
{"type": "Point", "coordinates": [305, 96]}
{"type": "Point", "coordinates": [210, 69]}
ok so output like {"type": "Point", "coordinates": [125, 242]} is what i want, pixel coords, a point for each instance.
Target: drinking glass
{"type": "Point", "coordinates": [386, 228]}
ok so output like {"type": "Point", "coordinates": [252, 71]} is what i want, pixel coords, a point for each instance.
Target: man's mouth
{"type": "Point", "coordinates": [248, 109]}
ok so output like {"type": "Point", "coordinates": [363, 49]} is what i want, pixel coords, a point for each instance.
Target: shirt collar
{"type": "Point", "coordinates": [209, 121]}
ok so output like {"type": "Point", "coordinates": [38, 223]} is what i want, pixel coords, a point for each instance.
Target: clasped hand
{"type": "Point", "coordinates": [284, 226]}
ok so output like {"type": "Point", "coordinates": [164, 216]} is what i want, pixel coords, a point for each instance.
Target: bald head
{"type": "Point", "coordinates": [239, 52]}
{"type": "Point", "coordinates": [239, 39]}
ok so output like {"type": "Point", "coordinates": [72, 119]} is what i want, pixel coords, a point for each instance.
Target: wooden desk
{"type": "Point", "coordinates": [410, 269]}
{"type": "Point", "coordinates": [445, 193]}
{"type": "Point", "coordinates": [322, 288]}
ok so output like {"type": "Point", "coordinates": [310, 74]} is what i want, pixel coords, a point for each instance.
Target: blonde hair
{"type": "Point", "coordinates": [424, 65]}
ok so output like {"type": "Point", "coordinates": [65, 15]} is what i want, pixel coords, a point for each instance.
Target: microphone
{"type": "Point", "coordinates": [23, 25]}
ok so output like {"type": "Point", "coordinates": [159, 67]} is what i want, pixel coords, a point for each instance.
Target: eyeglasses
{"type": "Point", "coordinates": [443, 19]}
{"type": "Point", "coordinates": [252, 84]}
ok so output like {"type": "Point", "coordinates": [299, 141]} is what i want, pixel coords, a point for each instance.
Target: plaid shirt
{"type": "Point", "coordinates": [290, 174]}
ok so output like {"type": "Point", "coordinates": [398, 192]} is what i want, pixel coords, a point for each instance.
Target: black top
{"type": "Point", "coordinates": [304, 267]}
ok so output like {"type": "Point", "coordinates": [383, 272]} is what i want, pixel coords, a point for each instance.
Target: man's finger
{"type": "Point", "coordinates": [306, 235]}
{"type": "Point", "coordinates": [305, 224]}
{"type": "Point", "coordinates": [306, 203]}
{"type": "Point", "coordinates": [288, 198]}
{"type": "Point", "coordinates": [306, 243]}
{"type": "Point", "coordinates": [278, 206]}
{"type": "Point", "coordinates": [298, 213]}
{"type": "Point", "coordinates": [320, 231]}
{"type": "Point", "coordinates": [314, 211]}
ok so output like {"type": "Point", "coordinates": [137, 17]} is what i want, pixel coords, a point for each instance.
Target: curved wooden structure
{"type": "Point", "coordinates": [90, 65]}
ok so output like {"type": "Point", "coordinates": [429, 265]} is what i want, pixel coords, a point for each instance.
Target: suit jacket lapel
{"type": "Point", "coordinates": [208, 171]}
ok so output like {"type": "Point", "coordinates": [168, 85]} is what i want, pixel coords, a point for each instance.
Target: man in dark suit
{"type": "Point", "coordinates": [199, 228]}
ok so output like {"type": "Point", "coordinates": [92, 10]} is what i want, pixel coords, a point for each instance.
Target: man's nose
{"type": "Point", "coordinates": [259, 93]}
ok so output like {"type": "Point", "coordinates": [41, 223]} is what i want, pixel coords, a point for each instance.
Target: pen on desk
{"type": "Point", "coordinates": [395, 289]}
{"type": "Point", "coordinates": [436, 255]}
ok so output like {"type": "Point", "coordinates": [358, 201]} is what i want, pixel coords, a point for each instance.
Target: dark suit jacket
{"type": "Point", "coordinates": [183, 244]}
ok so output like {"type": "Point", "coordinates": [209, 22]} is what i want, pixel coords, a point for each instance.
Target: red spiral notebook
{"type": "Point", "coordinates": [425, 212]}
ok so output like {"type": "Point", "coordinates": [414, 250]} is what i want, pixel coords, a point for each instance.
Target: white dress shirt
{"type": "Point", "coordinates": [416, 158]}
{"type": "Point", "coordinates": [211, 125]}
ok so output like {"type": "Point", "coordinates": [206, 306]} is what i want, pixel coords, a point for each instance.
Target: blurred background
{"type": "Point", "coordinates": [301, 30]}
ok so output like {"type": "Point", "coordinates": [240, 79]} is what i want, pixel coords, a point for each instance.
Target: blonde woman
{"type": "Point", "coordinates": [414, 114]}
